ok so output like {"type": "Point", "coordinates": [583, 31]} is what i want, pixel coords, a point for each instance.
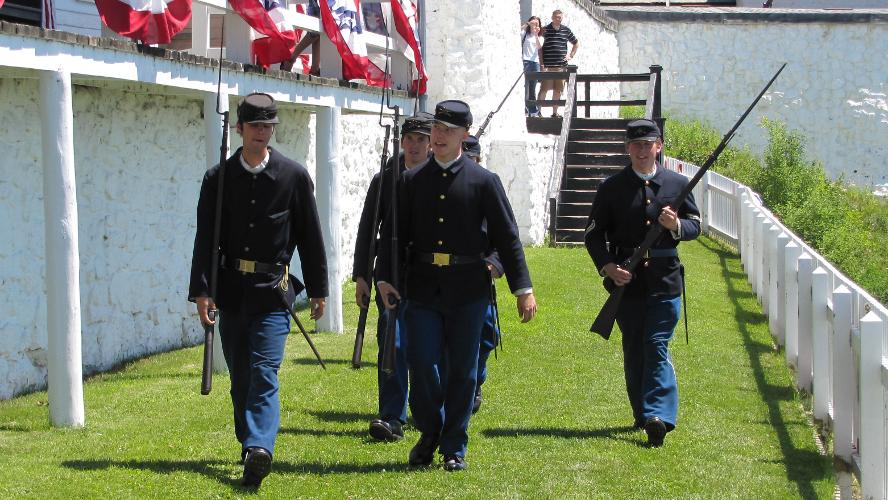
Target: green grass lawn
{"type": "Point", "coordinates": [555, 420]}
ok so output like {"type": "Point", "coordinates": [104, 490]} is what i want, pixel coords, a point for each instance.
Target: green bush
{"type": "Point", "coordinates": [845, 224]}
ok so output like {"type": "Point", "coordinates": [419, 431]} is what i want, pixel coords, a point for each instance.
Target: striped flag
{"type": "Point", "coordinates": [271, 18]}
{"type": "Point", "coordinates": [342, 23]}
{"type": "Point", "coordinates": [48, 14]}
{"type": "Point", "coordinates": [406, 20]}
{"type": "Point", "coordinates": [149, 21]}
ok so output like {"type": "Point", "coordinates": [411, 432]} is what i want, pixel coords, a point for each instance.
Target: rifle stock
{"type": "Point", "coordinates": [389, 348]}
{"type": "Point", "coordinates": [359, 335]}
{"type": "Point", "coordinates": [604, 322]}
{"type": "Point", "coordinates": [207, 372]}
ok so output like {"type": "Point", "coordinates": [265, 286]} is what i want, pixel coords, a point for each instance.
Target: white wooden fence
{"type": "Point", "coordinates": [834, 334]}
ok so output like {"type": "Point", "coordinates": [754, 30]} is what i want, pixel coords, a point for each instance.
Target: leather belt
{"type": "Point", "coordinates": [445, 259]}
{"type": "Point", "coordinates": [250, 266]}
{"type": "Point", "coordinates": [652, 253]}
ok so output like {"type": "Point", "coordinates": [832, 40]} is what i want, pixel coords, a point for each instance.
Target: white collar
{"type": "Point", "coordinates": [446, 165]}
{"type": "Point", "coordinates": [646, 177]}
{"type": "Point", "coordinates": [258, 168]}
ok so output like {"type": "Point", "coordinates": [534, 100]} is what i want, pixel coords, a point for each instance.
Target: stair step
{"type": "Point", "coordinates": [585, 171]}
{"type": "Point", "coordinates": [569, 236]}
{"type": "Point", "coordinates": [571, 222]}
{"type": "Point", "coordinates": [582, 183]}
{"type": "Point", "coordinates": [592, 159]}
{"type": "Point", "coordinates": [597, 147]}
{"type": "Point", "coordinates": [597, 135]}
{"type": "Point", "coordinates": [574, 196]}
{"type": "Point", "coordinates": [574, 209]}
{"type": "Point", "coordinates": [550, 126]}
{"type": "Point", "coordinates": [599, 124]}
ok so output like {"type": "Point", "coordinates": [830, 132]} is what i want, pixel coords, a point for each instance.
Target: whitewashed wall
{"type": "Point", "coordinates": [139, 163]}
{"type": "Point", "coordinates": [833, 90]}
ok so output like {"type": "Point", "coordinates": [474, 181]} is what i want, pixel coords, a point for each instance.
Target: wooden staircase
{"type": "Point", "coordinates": [589, 150]}
{"type": "Point", "coordinates": [594, 152]}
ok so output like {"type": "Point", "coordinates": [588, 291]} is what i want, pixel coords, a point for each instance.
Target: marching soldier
{"type": "Point", "coordinates": [625, 206]}
{"type": "Point", "coordinates": [442, 207]}
{"type": "Point", "coordinates": [415, 134]}
{"type": "Point", "coordinates": [268, 212]}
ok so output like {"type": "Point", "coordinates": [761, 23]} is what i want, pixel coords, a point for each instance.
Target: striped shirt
{"type": "Point", "coordinates": [555, 44]}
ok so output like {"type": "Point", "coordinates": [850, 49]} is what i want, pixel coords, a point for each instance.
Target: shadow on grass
{"type": "Point", "coordinates": [314, 361]}
{"type": "Point", "coordinates": [321, 432]}
{"type": "Point", "coordinates": [802, 466]}
{"type": "Point", "coordinates": [342, 416]}
{"type": "Point", "coordinates": [221, 471]}
{"type": "Point", "coordinates": [562, 432]}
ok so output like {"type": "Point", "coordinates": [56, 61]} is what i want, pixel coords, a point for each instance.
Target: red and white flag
{"type": "Point", "coordinates": [149, 21]}
{"type": "Point", "coordinates": [342, 23]}
{"type": "Point", "coordinates": [406, 20]}
{"type": "Point", "coordinates": [269, 17]}
{"type": "Point", "coordinates": [1, 3]}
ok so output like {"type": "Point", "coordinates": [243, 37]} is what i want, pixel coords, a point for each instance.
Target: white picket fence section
{"type": "Point", "coordinates": [834, 334]}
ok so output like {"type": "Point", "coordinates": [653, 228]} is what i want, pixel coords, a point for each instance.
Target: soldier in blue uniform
{"type": "Point", "coordinates": [415, 134]}
{"type": "Point", "coordinates": [490, 334]}
{"type": "Point", "coordinates": [442, 206]}
{"type": "Point", "coordinates": [625, 207]}
{"type": "Point", "coordinates": [268, 211]}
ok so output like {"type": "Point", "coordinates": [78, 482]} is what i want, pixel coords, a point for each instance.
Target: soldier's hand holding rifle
{"type": "Point", "coordinates": [388, 292]}
{"type": "Point", "coordinates": [362, 293]}
{"type": "Point", "coordinates": [204, 305]}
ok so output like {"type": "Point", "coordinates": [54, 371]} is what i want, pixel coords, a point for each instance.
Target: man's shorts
{"type": "Point", "coordinates": [555, 85]}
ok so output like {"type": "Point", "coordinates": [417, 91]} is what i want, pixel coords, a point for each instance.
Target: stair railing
{"type": "Point", "coordinates": [557, 173]}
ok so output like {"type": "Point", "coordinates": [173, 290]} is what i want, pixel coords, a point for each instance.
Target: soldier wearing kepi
{"type": "Point", "coordinates": [625, 207]}
{"type": "Point", "coordinates": [442, 206]}
{"type": "Point", "coordinates": [268, 211]}
{"type": "Point", "coordinates": [415, 134]}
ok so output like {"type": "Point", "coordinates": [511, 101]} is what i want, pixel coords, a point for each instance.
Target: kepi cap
{"type": "Point", "coordinates": [472, 147]}
{"type": "Point", "coordinates": [257, 108]}
{"type": "Point", "coordinates": [642, 130]}
{"type": "Point", "coordinates": [420, 124]}
{"type": "Point", "coordinates": [453, 113]}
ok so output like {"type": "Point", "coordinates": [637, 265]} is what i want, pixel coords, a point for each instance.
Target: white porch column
{"type": "Point", "coordinates": [64, 366]}
{"type": "Point", "coordinates": [327, 194]}
{"type": "Point", "coordinates": [213, 127]}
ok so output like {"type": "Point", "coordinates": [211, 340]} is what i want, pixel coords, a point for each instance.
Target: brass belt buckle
{"type": "Point", "coordinates": [246, 266]}
{"type": "Point", "coordinates": [441, 259]}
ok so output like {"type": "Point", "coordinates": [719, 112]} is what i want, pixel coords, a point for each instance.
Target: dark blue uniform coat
{"type": "Point", "coordinates": [625, 207]}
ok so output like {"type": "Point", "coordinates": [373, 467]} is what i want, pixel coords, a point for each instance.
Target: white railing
{"type": "Point", "coordinates": [834, 334]}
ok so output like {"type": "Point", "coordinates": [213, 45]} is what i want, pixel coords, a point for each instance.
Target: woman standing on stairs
{"type": "Point", "coordinates": [530, 51]}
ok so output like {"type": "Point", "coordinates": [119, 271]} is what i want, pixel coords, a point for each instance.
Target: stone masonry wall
{"type": "Point", "coordinates": [833, 89]}
{"type": "Point", "coordinates": [139, 161]}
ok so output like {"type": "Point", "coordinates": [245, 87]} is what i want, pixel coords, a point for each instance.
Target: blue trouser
{"type": "Point", "coordinates": [489, 341]}
{"type": "Point", "coordinates": [647, 325]}
{"type": "Point", "coordinates": [530, 93]}
{"type": "Point", "coordinates": [441, 400]}
{"type": "Point", "coordinates": [392, 388]}
{"type": "Point", "coordinates": [253, 345]}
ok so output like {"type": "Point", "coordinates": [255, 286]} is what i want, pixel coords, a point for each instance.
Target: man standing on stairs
{"type": "Point", "coordinates": [555, 57]}
{"type": "Point", "coordinates": [625, 207]}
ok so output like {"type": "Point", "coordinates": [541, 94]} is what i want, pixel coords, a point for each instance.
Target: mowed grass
{"type": "Point", "coordinates": [555, 422]}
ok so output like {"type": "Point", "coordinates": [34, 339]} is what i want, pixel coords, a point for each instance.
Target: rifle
{"type": "Point", "coordinates": [389, 349]}
{"type": "Point", "coordinates": [483, 127]}
{"type": "Point", "coordinates": [371, 253]}
{"type": "Point", "coordinates": [206, 381]}
{"type": "Point", "coordinates": [604, 322]}
{"type": "Point", "coordinates": [288, 296]}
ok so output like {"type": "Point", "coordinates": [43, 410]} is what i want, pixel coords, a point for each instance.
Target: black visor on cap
{"type": "Point", "coordinates": [642, 130]}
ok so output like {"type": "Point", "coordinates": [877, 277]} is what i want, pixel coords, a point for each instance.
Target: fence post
{"type": "Point", "coordinates": [705, 203]}
{"type": "Point", "coordinates": [805, 359]}
{"type": "Point", "coordinates": [775, 282]}
{"type": "Point", "coordinates": [765, 263]}
{"type": "Point", "coordinates": [821, 366]}
{"type": "Point", "coordinates": [743, 236]}
{"type": "Point", "coordinates": [791, 252]}
{"type": "Point", "coordinates": [873, 417]}
{"type": "Point", "coordinates": [756, 254]}
{"type": "Point", "coordinates": [844, 390]}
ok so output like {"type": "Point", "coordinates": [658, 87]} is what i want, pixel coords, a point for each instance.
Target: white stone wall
{"type": "Point", "coordinates": [833, 90]}
{"type": "Point", "coordinates": [139, 162]}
